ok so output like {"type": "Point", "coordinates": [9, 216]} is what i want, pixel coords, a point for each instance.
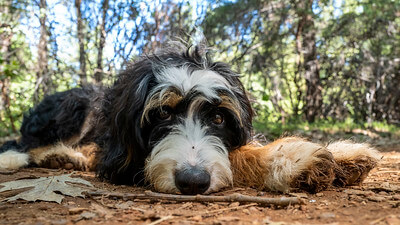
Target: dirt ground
{"type": "Point", "coordinates": [377, 201]}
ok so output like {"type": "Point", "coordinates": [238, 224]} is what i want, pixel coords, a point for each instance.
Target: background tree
{"type": "Point", "coordinates": [14, 53]}
{"type": "Point", "coordinates": [43, 80]}
{"type": "Point", "coordinates": [81, 41]}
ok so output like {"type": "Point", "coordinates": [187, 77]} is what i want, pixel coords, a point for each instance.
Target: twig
{"type": "Point", "coordinates": [7, 172]}
{"type": "Point", "coordinates": [149, 195]}
{"type": "Point", "coordinates": [161, 220]}
{"type": "Point", "coordinates": [217, 211]}
{"type": "Point", "coordinates": [378, 220]}
{"type": "Point", "coordinates": [388, 171]}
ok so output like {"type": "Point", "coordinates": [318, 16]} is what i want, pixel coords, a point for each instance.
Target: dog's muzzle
{"type": "Point", "coordinates": [192, 180]}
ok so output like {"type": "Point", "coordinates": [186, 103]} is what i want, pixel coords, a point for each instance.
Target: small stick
{"type": "Point", "coordinates": [7, 172]}
{"type": "Point", "coordinates": [282, 201]}
{"type": "Point", "coordinates": [137, 209]}
{"type": "Point", "coordinates": [161, 220]}
{"type": "Point", "coordinates": [217, 211]}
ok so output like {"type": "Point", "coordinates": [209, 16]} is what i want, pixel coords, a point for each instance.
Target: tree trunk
{"type": "Point", "coordinates": [42, 75]}
{"type": "Point", "coordinates": [81, 38]}
{"type": "Point", "coordinates": [310, 67]}
{"type": "Point", "coordinates": [5, 43]}
{"type": "Point", "coordinates": [98, 75]}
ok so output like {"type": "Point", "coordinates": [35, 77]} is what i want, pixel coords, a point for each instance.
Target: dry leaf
{"type": "Point", "coordinates": [45, 188]}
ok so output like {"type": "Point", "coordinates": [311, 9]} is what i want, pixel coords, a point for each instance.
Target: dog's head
{"type": "Point", "coordinates": [175, 116]}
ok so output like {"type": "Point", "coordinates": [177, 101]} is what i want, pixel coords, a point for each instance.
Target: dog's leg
{"type": "Point", "coordinates": [355, 160]}
{"type": "Point", "coordinates": [286, 163]}
{"type": "Point", "coordinates": [84, 157]}
{"type": "Point", "coordinates": [58, 156]}
{"type": "Point", "coordinates": [52, 156]}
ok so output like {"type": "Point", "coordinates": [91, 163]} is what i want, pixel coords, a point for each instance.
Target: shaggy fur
{"type": "Point", "coordinates": [177, 122]}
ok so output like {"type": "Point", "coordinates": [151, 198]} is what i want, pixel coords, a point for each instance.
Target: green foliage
{"type": "Point", "coordinates": [346, 129]}
{"type": "Point", "coordinates": [16, 76]}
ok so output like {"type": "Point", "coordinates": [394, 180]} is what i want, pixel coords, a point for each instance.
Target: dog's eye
{"type": "Point", "coordinates": [165, 114]}
{"type": "Point", "coordinates": [218, 118]}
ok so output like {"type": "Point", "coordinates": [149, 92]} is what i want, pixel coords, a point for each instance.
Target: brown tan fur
{"type": "Point", "coordinates": [355, 161]}
{"type": "Point", "coordinates": [91, 152]}
{"type": "Point", "coordinates": [63, 156]}
{"type": "Point", "coordinates": [232, 105]}
{"type": "Point", "coordinates": [354, 172]}
{"type": "Point", "coordinates": [58, 156]}
{"type": "Point", "coordinates": [170, 98]}
{"type": "Point", "coordinates": [248, 165]}
{"type": "Point", "coordinates": [319, 175]}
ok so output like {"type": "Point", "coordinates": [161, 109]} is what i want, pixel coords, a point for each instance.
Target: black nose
{"type": "Point", "coordinates": [192, 181]}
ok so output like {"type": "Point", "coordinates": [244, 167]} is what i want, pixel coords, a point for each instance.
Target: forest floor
{"type": "Point", "coordinates": [376, 201]}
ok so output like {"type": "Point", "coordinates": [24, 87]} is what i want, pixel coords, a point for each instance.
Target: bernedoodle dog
{"type": "Point", "coordinates": [176, 122]}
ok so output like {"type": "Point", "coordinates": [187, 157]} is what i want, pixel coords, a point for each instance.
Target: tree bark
{"type": "Point", "coordinates": [310, 66]}
{"type": "Point", "coordinates": [42, 75]}
{"type": "Point", "coordinates": [5, 43]}
{"type": "Point", "coordinates": [98, 75]}
{"type": "Point", "coordinates": [81, 38]}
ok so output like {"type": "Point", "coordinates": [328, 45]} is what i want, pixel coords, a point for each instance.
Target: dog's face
{"type": "Point", "coordinates": [191, 113]}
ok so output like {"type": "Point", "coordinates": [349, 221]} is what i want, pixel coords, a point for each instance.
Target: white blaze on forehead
{"type": "Point", "coordinates": [204, 81]}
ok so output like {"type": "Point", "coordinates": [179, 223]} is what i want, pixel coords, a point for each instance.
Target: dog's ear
{"type": "Point", "coordinates": [247, 115]}
{"type": "Point", "coordinates": [124, 153]}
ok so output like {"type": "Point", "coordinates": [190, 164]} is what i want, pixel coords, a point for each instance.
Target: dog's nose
{"type": "Point", "coordinates": [193, 180]}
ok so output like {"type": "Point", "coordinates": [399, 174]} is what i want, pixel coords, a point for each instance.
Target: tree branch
{"type": "Point", "coordinates": [149, 195]}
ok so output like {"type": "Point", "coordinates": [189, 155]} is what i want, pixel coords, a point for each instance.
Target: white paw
{"type": "Point", "coordinates": [12, 160]}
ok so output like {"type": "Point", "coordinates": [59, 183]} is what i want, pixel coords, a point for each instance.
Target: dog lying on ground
{"type": "Point", "coordinates": [177, 122]}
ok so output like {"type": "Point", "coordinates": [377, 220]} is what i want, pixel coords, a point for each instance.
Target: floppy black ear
{"type": "Point", "coordinates": [247, 115]}
{"type": "Point", "coordinates": [124, 152]}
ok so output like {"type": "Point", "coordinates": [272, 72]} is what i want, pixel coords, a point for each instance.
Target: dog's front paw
{"type": "Point", "coordinates": [59, 156]}
{"type": "Point", "coordinates": [354, 162]}
{"type": "Point", "coordinates": [297, 163]}
{"type": "Point", "coordinates": [320, 173]}
{"type": "Point", "coordinates": [57, 161]}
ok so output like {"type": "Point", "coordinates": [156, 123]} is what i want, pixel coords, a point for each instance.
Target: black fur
{"type": "Point", "coordinates": [13, 144]}
{"type": "Point", "coordinates": [57, 118]}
